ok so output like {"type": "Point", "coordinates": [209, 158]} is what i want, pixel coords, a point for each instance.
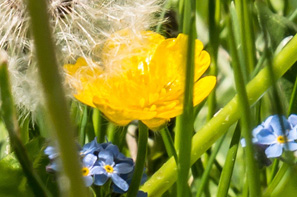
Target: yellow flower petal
{"type": "Point", "coordinates": [143, 78]}
{"type": "Point", "coordinates": [155, 124]}
{"type": "Point", "coordinates": [202, 88]}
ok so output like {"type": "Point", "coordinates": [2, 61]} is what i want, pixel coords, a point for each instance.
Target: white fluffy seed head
{"type": "Point", "coordinates": [80, 28]}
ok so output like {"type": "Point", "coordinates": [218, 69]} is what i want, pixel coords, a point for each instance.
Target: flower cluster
{"type": "Point", "coordinates": [276, 134]}
{"type": "Point", "coordinates": [100, 162]}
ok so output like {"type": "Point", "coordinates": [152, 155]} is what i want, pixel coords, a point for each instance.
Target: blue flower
{"type": "Point", "coordinates": [263, 125]}
{"type": "Point", "coordinates": [51, 152]}
{"type": "Point", "coordinates": [88, 169]}
{"type": "Point", "coordinates": [91, 148]}
{"type": "Point", "coordinates": [109, 168]}
{"type": "Point", "coordinates": [275, 138]}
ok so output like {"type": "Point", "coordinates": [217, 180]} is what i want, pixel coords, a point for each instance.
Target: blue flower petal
{"type": "Point", "coordinates": [113, 148]}
{"type": "Point", "coordinates": [274, 150]}
{"type": "Point", "coordinates": [291, 146]}
{"type": "Point", "coordinates": [293, 120]}
{"type": "Point", "coordinates": [276, 125]}
{"type": "Point", "coordinates": [88, 180]}
{"type": "Point", "coordinates": [97, 170]}
{"type": "Point", "coordinates": [100, 179]}
{"type": "Point", "coordinates": [257, 130]}
{"type": "Point", "coordinates": [266, 137]}
{"type": "Point", "coordinates": [118, 181]}
{"type": "Point", "coordinates": [89, 160]}
{"type": "Point", "coordinates": [106, 156]}
{"type": "Point", "coordinates": [123, 168]}
{"type": "Point", "coordinates": [292, 134]}
{"type": "Point", "coordinates": [51, 152]}
{"type": "Point", "coordinates": [267, 122]}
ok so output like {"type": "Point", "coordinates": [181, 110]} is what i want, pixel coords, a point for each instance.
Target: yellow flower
{"type": "Point", "coordinates": [143, 78]}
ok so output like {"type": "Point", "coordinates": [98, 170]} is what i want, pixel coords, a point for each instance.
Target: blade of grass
{"type": "Point", "coordinates": [218, 125]}
{"type": "Point", "coordinates": [56, 104]}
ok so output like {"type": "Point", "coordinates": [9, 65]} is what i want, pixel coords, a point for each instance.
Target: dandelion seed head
{"type": "Point", "coordinates": [80, 28]}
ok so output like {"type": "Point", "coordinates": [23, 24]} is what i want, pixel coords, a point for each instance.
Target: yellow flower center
{"type": "Point", "coordinates": [281, 139]}
{"type": "Point", "coordinates": [108, 168]}
{"type": "Point", "coordinates": [85, 171]}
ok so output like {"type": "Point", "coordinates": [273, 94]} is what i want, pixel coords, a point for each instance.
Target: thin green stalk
{"type": "Point", "coordinates": [293, 15]}
{"type": "Point", "coordinates": [227, 172]}
{"type": "Point", "coordinates": [140, 160]}
{"type": "Point", "coordinates": [252, 168]}
{"type": "Point", "coordinates": [100, 125]}
{"type": "Point", "coordinates": [56, 104]}
{"type": "Point", "coordinates": [83, 124]}
{"type": "Point", "coordinates": [274, 170]}
{"type": "Point", "coordinates": [184, 132]}
{"type": "Point", "coordinates": [218, 125]}
{"type": "Point", "coordinates": [8, 116]}
{"type": "Point", "coordinates": [209, 166]}
{"type": "Point", "coordinates": [214, 7]}
{"type": "Point", "coordinates": [168, 142]}
{"type": "Point", "coordinates": [293, 101]}
{"type": "Point", "coordinates": [246, 32]}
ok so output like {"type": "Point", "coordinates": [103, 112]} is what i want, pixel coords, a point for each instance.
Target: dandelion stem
{"type": "Point", "coordinates": [56, 104]}
{"type": "Point", "coordinates": [140, 160]}
{"type": "Point", "coordinates": [219, 124]}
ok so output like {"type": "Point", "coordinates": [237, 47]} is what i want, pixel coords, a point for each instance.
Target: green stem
{"type": "Point", "coordinates": [214, 32]}
{"type": "Point", "coordinates": [293, 100]}
{"type": "Point", "coordinates": [274, 170]}
{"type": "Point", "coordinates": [100, 125]}
{"type": "Point", "coordinates": [184, 131]}
{"type": "Point", "coordinates": [56, 104]}
{"type": "Point", "coordinates": [210, 162]}
{"type": "Point", "coordinates": [140, 160]}
{"type": "Point", "coordinates": [252, 168]}
{"type": "Point", "coordinates": [8, 116]}
{"type": "Point", "coordinates": [168, 142]}
{"type": "Point", "coordinates": [246, 32]}
{"type": "Point", "coordinates": [226, 174]}
{"type": "Point", "coordinates": [218, 125]}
